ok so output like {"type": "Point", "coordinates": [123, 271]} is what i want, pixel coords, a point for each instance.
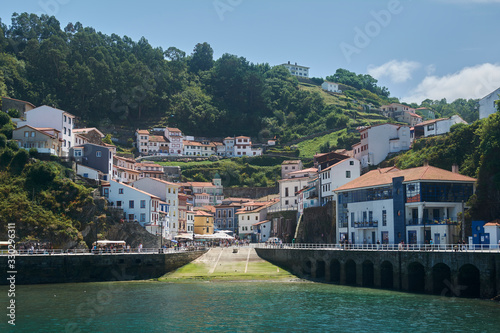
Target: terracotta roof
{"type": "Point", "coordinates": [143, 132]}
{"type": "Point", "coordinates": [261, 222]}
{"type": "Point", "coordinates": [291, 162]}
{"type": "Point", "coordinates": [42, 130]}
{"type": "Point", "coordinates": [201, 184]}
{"type": "Point", "coordinates": [157, 138]}
{"type": "Point", "coordinates": [13, 99]}
{"type": "Point", "coordinates": [384, 176]}
{"type": "Point", "coordinates": [88, 129]}
{"type": "Point", "coordinates": [495, 223]}
{"type": "Point", "coordinates": [304, 170]}
{"type": "Point", "coordinates": [202, 213]}
{"type": "Point", "coordinates": [126, 169]}
{"type": "Point", "coordinates": [130, 160]}
{"type": "Point", "coordinates": [191, 143]}
{"type": "Point", "coordinates": [292, 179]}
{"type": "Point", "coordinates": [172, 129]}
{"type": "Point", "coordinates": [432, 121]}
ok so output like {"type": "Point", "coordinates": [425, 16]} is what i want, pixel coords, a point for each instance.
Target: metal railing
{"type": "Point", "coordinates": [431, 222]}
{"type": "Point", "coordinates": [101, 251]}
{"type": "Point", "coordinates": [386, 247]}
{"type": "Point", "coordinates": [366, 224]}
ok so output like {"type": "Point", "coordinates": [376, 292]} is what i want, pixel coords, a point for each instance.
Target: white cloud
{"type": "Point", "coordinates": [470, 82]}
{"type": "Point", "coordinates": [397, 71]}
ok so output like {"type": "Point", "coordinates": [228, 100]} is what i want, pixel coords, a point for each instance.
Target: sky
{"type": "Point", "coordinates": [418, 49]}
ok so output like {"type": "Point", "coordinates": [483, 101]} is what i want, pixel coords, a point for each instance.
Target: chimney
{"type": "Point", "coordinates": [426, 163]}
{"type": "Point", "coordinates": [454, 168]}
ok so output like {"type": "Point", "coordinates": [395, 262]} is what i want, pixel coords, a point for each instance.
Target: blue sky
{"type": "Point", "coordinates": [417, 48]}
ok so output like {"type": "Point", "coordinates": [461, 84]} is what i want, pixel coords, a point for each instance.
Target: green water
{"type": "Point", "coordinates": [240, 307]}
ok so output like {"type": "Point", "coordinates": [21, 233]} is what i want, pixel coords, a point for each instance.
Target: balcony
{"type": "Point", "coordinates": [342, 224]}
{"type": "Point", "coordinates": [430, 222]}
{"type": "Point", "coordinates": [366, 224]}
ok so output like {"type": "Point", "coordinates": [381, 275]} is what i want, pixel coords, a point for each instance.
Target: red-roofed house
{"type": "Point", "coordinates": [413, 205]}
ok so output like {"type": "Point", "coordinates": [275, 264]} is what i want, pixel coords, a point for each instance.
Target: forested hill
{"type": "Point", "coordinates": [111, 79]}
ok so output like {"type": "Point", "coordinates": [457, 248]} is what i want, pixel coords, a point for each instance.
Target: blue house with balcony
{"type": "Point", "coordinates": [414, 206]}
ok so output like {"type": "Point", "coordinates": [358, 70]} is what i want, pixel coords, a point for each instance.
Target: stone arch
{"type": "Point", "coordinates": [441, 280]}
{"type": "Point", "coordinates": [335, 271]}
{"type": "Point", "coordinates": [367, 274]}
{"type": "Point", "coordinates": [386, 275]}
{"type": "Point", "coordinates": [469, 281]}
{"type": "Point", "coordinates": [320, 269]}
{"type": "Point", "coordinates": [350, 272]}
{"type": "Point", "coordinates": [416, 277]}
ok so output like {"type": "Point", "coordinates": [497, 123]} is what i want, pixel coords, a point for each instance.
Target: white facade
{"type": "Point", "coordinates": [167, 192]}
{"type": "Point", "coordinates": [262, 230]}
{"type": "Point", "coordinates": [87, 172]}
{"type": "Point", "coordinates": [229, 146]}
{"type": "Point", "coordinates": [288, 192]}
{"type": "Point", "coordinates": [335, 176]}
{"type": "Point", "coordinates": [297, 70]}
{"type": "Point", "coordinates": [330, 86]}
{"type": "Point", "coordinates": [137, 205]}
{"type": "Point", "coordinates": [380, 140]}
{"type": "Point", "coordinates": [243, 147]}
{"type": "Point", "coordinates": [493, 229]}
{"type": "Point", "coordinates": [442, 126]}
{"type": "Point", "coordinates": [248, 216]}
{"type": "Point", "coordinates": [174, 136]}
{"type": "Point", "coordinates": [46, 116]}
{"type": "Point", "coordinates": [487, 104]}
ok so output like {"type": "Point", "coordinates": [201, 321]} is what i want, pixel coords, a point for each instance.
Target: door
{"type": "Point", "coordinates": [437, 239]}
{"type": "Point", "coordinates": [427, 236]}
{"type": "Point", "coordinates": [414, 216]}
{"type": "Point", "coordinates": [374, 241]}
{"type": "Point", "coordinates": [412, 237]}
{"type": "Point", "coordinates": [385, 237]}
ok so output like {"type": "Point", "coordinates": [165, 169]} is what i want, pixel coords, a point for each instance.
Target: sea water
{"type": "Point", "coordinates": [240, 307]}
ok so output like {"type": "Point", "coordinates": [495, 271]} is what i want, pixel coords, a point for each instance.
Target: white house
{"type": "Point", "coordinates": [493, 229]}
{"type": "Point", "coordinates": [487, 104]}
{"type": "Point", "coordinates": [331, 86]}
{"type": "Point", "coordinates": [137, 205]}
{"type": "Point", "coordinates": [49, 117]}
{"type": "Point", "coordinates": [335, 176]}
{"type": "Point", "coordinates": [378, 141]}
{"type": "Point", "coordinates": [414, 205]}
{"type": "Point", "coordinates": [229, 146]}
{"type": "Point", "coordinates": [289, 189]}
{"type": "Point", "coordinates": [297, 70]}
{"type": "Point", "coordinates": [437, 126]}
{"type": "Point", "coordinates": [167, 192]}
{"type": "Point", "coordinates": [308, 197]}
{"type": "Point", "coordinates": [175, 139]}
{"type": "Point", "coordinates": [243, 147]}
{"type": "Point", "coordinates": [262, 230]}
{"type": "Point", "coordinates": [251, 213]}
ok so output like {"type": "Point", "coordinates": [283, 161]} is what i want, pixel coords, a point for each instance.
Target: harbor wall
{"type": "Point", "coordinates": [39, 269]}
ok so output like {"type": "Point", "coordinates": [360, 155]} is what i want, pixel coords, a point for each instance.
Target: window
{"type": "Point", "coordinates": [33, 134]}
{"type": "Point", "coordinates": [351, 162]}
{"type": "Point", "coordinates": [64, 130]}
{"type": "Point", "coordinates": [348, 174]}
{"type": "Point", "coordinates": [120, 191]}
{"type": "Point", "coordinates": [296, 189]}
{"type": "Point", "coordinates": [286, 191]}
{"type": "Point", "coordinates": [430, 127]}
{"type": "Point", "coordinates": [97, 154]}
{"type": "Point", "coordinates": [384, 218]}
{"type": "Point", "coordinates": [131, 204]}
{"type": "Point", "coordinates": [143, 217]}
{"type": "Point", "coordinates": [143, 203]}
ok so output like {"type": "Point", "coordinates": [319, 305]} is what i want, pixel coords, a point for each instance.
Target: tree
{"type": "Point", "coordinates": [201, 58]}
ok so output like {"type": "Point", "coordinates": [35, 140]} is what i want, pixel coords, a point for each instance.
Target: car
{"type": "Point", "coordinates": [273, 240]}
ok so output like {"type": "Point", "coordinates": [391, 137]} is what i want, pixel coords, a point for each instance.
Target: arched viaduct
{"type": "Point", "coordinates": [462, 274]}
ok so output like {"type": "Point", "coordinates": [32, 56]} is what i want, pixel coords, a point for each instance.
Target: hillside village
{"type": "Point", "coordinates": [368, 205]}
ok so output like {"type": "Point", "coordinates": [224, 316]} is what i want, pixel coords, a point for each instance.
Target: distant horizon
{"type": "Point", "coordinates": [429, 49]}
